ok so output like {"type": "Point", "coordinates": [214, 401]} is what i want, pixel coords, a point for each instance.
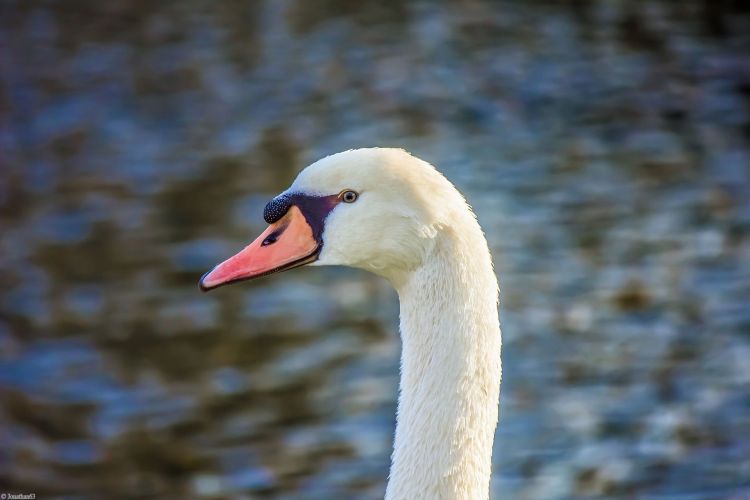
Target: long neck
{"type": "Point", "coordinates": [450, 373]}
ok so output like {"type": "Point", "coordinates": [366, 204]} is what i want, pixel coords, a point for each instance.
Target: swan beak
{"type": "Point", "coordinates": [286, 244]}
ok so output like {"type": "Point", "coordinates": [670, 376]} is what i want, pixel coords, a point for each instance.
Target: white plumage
{"type": "Point", "coordinates": [411, 226]}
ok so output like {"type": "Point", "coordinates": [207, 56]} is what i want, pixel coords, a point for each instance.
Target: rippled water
{"type": "Point", "coordinates": [604, 146]}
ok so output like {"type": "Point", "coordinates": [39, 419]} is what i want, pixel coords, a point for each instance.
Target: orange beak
{"type": "Point", "coordinates": [286, 244]}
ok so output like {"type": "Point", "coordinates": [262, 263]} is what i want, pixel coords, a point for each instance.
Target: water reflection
{"type": "Point", "coordinates": [604, 147]}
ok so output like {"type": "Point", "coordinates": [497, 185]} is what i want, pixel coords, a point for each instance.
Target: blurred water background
{"type": "Point", "coordinates": [604, 146]}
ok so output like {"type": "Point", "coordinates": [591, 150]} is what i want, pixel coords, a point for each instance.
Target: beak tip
{"type": "Point", "coordinates": [202, 283]}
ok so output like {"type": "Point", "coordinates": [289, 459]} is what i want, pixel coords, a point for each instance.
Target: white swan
{"type": "Point", "coordinates": [395, 215]}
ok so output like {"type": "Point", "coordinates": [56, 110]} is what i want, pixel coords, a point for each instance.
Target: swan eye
{"type": "Point", "coordinates": [349, 196]}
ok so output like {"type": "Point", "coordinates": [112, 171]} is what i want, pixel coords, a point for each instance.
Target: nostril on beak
{"type": "Point", "coordinates": [273, 237]}
{"type": "Point", "coordinates": [270, 240]}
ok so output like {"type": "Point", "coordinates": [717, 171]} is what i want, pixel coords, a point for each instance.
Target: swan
{"type": "Point", "coordinates": [388, 212]}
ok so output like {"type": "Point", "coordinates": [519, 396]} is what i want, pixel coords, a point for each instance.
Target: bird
{"type": "Point", "coordinates": [395, 215]}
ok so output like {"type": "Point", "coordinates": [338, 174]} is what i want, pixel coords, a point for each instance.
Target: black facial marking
{"type": "Point", "coordinates": [314, 208]}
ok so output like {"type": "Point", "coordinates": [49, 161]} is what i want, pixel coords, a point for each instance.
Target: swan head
{"type": "Point", "coordinates": [377, 209]}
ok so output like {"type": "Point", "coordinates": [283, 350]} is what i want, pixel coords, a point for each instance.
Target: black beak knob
{"type": "Point", "coordinates": [276, 208]}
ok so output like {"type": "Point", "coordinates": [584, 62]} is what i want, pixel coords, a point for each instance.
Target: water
{"type": "Point", "coordinates": [604, 146]}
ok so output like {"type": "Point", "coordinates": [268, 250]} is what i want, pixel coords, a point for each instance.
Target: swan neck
{"type": "Point", "coordinates": [450, 373]}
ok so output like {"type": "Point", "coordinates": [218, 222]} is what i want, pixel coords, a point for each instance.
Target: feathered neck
{"type": "Point", "coordinates": [450, 371]}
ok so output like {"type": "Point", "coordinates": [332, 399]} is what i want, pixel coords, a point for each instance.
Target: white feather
{"type": "Point", "coordinates": [411, 226]}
